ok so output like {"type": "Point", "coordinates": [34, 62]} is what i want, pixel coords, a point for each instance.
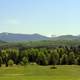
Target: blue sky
{"type": "Point", "coordinates": [47, 17]}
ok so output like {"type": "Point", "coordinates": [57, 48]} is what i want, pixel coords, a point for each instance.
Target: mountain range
{"type": "Point", "coordinates": [11, 37]}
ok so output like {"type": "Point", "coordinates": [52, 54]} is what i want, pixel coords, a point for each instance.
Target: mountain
{"type": "Point", "coordinates": [11, 37]}
{"type": "Point", "coordinates": [1, 42]}
{"type": "Point", "coordinates": [66, 37]}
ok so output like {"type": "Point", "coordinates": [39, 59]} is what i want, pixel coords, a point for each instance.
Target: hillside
{"type": "Point", "coordinates": [66, 37]}
{"type": "Point", "coordinates": [13, 37]}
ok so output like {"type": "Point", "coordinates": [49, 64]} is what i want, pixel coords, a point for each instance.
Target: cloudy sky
{"type": "Point", "coordinates": [47, 17]}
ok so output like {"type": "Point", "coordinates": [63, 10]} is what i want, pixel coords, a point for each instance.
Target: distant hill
{"type": "Point", "coordinates": [66, 37]}
{"type": "Point", "coordinates": [11, 37]}
{"type": "Point", "coordinates": [2, 42]}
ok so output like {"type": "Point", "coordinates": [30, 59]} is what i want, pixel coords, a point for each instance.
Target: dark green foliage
{"type": "Point", "coordinates": [42, 59]}
{"type": "Point", "coordinates": [53, 67]}
{"type": "Point", "coordinates": [0, 61]}
{"type": "Point", "coordinates": [54, 57]}
{"type": "Point", "coordinates": [78, 60]}
{"type": "Point", "coordinates": [71, 58]}
{"type": "Point", "coordinates": [59, 54]}
{"type": "Point", "coordinates": [64, 59]}
{"type": "Point", "coordinates": [10, 62]}
{"type": "Point", "coordinates": [24, 61]}
{"type": "Point", "coordinates": [32, 54]}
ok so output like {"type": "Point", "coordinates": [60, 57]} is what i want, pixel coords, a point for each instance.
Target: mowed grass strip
{"type": "Point", "coordinates": [36, 72]}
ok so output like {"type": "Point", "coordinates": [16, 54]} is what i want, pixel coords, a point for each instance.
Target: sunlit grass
{"type": "Point", "coordinates": [35, 72]}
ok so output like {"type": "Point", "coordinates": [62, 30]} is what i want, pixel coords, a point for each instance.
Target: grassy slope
{"type": "Point", "coordinates": [43, 43]}
{"type": "Point", "coordinates": [35, 72]}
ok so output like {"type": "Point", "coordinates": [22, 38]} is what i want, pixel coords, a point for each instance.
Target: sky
{"type": "Point", "coordinates": [46, 17]}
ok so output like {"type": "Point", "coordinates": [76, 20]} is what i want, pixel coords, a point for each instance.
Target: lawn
{"type": "Point", "coordinates": [35, 72]}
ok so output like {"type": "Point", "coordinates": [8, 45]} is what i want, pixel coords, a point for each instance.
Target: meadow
{"type": "Point", "coordinates": [36, 72]}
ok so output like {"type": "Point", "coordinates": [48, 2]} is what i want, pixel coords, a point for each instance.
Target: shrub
{"type": "Point", "coordinates": [24, 61]}
{"type": "Point", "coordinates": [10, 62]}
{"type": "Point", "coordinates": [53, 67]}
{"type": "Point", "coordinates": [21, 63]}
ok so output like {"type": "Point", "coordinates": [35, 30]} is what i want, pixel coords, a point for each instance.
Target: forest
{"type": "Point", "coordinates": [49, 53]}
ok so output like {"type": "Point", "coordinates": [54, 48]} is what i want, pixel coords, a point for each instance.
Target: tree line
{"type": "Point", "coordinates": [62, 55]}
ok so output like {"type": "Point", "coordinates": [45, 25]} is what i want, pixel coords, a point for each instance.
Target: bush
{"type": "Point", "coordinates": [21, 63]}
{"type": "Point", "coordinates": [24, 61]}
{"type": "Point", "coordinates": [10, 62]}
{"type": "Point", "coordinates": [53, 67]}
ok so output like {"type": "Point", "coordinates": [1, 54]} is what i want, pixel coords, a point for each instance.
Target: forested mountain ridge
{"type": "Point", "coordinates": [11, 37]}
{"type": "Point", "coordinates": [14, 37]}
{"type": "Point", "coordinates": [66, 37]}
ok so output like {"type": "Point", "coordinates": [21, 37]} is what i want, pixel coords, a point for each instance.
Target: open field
{"type": "Point", "coordinates": [35, 72]}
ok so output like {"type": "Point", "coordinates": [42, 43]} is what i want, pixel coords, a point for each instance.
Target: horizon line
{"type": "Point", "coordinates": [52, 35]}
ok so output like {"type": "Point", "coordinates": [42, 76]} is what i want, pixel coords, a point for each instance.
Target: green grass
{"type": "Point", "coordinates": [35, 72]}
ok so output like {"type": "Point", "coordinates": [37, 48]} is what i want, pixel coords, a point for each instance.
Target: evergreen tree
{"type": "Point", "coordinates": [78, 60]}
{"type": "Point", "coordinates": [0, 61]}
{"type": "Point", "coordinates": [64, 59]}
{"type": "Point", "coordinates": [71, 58]}
{"type": "Point", "coordinates": [54, 58]}
{"type": "Point", "coordinates": [42, 59]}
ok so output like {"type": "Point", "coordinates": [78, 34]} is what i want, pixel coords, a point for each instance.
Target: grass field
{"type": "Point", "coordinates": [35, 72]}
